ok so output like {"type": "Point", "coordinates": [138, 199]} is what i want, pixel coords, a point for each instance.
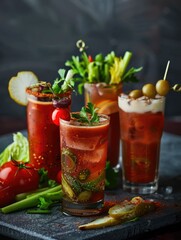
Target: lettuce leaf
{"type": "Point", "coordinates": [17, 150]}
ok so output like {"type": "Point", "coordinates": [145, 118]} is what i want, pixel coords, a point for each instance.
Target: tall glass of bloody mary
{"type": "Point", "coordinates": [83, 160]}
{"type": "Point", "coordinates": [102, 78]}
{"type": "Point", "coordinates": [141, 123]}
{"type": "Point", "coordinates": [43, 134]}
{"type": "Point", "coordinates": [105, 98]}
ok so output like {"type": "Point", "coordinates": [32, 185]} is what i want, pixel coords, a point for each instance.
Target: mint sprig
{"type": "Point", "coordinates": [87, 114]}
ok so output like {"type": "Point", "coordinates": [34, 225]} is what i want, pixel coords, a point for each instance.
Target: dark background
{"type": "Point", "coordinates": [40, 35]}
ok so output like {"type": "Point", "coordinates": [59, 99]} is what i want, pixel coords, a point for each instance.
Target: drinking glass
{"type": "Point", "coordinates": [43, 134]}
{"type": "Point", "coordinates": [83, 161]}
{"type": "Point", "coordinates": [141, 122]}
{"type": "Point", "coordinates": [105, 98]}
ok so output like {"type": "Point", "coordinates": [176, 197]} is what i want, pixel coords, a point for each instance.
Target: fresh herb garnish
{"type": "Point", "coordinates": [87, 114]}
{"type": "Point", "coordinates": [110, 69]}
{"type": "Point", "coordinates": [129, 76]}
{"type": "Point", "coordinates": [45, 181]}
{"type": "Point", "coordinates": [63, 84]}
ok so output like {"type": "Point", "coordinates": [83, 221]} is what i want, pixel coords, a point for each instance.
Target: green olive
{"type": "Point", "coordinates": [162, 87]}
{"type": "Point", "coordinates": [149, 90]}
{"type": "Point", "coordinates": [135, 93]}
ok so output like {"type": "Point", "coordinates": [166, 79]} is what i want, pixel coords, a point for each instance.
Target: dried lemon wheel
{"type": "Point", "coordinates": [18, 84]}
{"type": "Point", "coordinates": [107, 107]}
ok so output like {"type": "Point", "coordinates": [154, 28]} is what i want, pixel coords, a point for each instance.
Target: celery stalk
{"type": "Point", "coordinates": [28, 202]}
{"type": "Point", "coordinates": [54, 196]}
{"type": "Point", "coordinates": [126, 60]}
{"type": "Point", "coordinates": [24, 195]}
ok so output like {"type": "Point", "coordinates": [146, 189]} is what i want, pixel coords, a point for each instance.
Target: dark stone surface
{"type": "Point", "coordinates": [41, 35]}
{"type": "Point", "coordinates": [56, 226]}
{"type": "Point", "coordinates": [21, 225]}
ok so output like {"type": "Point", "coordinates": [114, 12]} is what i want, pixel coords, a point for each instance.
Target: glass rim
{"type": "Point", "coordinates": [38, 94]}
{"type": "Point", "coordinates": [106, 121]}
{"type": "Point", "coordinates": [44, 97]}
{"type": "Point", "coordinates": [103, 84]}
{"type": "Point", "coordinates": [39, 100]}
{"type": "Point", "coordinates": [141, 105]}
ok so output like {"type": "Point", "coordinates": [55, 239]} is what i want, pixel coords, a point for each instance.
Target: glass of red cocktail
{"type": "Point", "coordinates": [102, 78]}
{"type": "Point", "coordinates": [83, 160]}
{"type": "Point", "coordinates": [105, 98]}
{"type": "Point", "coordinates": [141, 123]}
{"type": "Point", "coordinates": [43, 134]}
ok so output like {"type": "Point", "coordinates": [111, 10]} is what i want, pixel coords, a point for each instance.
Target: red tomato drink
{"type": "Point", "coordinates": [142, 124]}
{"type": "Point", "coordinates": [105, 98]}
{"type": "Point", "coordinates": [43, 134]}
{"type": "Point", "coordinates": [83, 159]}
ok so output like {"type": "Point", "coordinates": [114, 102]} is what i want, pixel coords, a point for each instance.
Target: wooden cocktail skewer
{"type": "Point", "coordinates": [176, 87]}
{"type": "Point", "coordinates": [166, 70]}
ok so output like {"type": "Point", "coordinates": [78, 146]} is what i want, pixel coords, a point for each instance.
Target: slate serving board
{"type": "Point", "coordinates": [21, 225]}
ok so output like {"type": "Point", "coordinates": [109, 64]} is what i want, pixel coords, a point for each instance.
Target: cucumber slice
{"type": "Point", "coordinates": [68, 159]}
{"type": "Point", "coordinates": [67, 189]}
{"type": "Point", "coordinates": [73, 183]}
{"type": "Point", "coordinates": [84, 196]}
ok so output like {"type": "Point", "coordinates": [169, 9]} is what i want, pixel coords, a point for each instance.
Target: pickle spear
{"type": "Point", "coordinates": [106, 221]}
{"type": "Point", "coordinates": [120, 213]}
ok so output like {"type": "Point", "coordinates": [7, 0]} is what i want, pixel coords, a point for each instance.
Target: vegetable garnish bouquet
{"type": "Point", "coordinates": [109, 69]}
{"type": "Point", "coordinates": [101, 78]}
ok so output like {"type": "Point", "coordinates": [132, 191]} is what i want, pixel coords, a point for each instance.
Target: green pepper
{"type": "Point", "coordinates": [94, 184]}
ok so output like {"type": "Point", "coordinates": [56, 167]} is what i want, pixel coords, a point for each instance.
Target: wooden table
{"type": "Point", "coordinates": [158, 225]}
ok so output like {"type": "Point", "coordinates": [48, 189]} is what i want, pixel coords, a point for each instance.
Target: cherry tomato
{"type": "Point", "coordinates": [7, 195]}
{"type": "Point", "coordinates": [62, 113]}
{"type": "Point", "coordinates": [59, 177]}
{"type": "Point", "coordinates": [21, 177]}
